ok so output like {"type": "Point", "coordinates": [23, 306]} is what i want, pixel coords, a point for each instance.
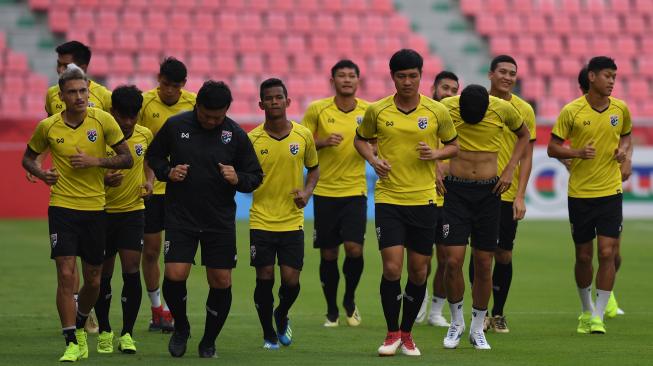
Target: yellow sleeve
{"type": "Point", "coordinates": [311, 118]}
{"type": "Point", "coordinates": [39, 140]}
{"type": "Point", "coordinates": [562, 126]}
{"type": "Point", "coordinates": [446, 130]}
{"type": "Point", "coordinates": [529, 119]}
{"type": "Point", "coordinates": [112, 132]}
{"type": "Point", "coordinates": [107, 101]}
{"type": "Point", "coordinates": [47, 104]}
{"type": "Point", "coordinates": [628, 123]}
{"type": "Point", "coordinates": [513, 119]}
{"type": "Point", "coordinates": [367, 128]}
{"type": "Point", "coordinates": [310, 157]}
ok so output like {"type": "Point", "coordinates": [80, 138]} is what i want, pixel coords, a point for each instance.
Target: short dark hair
{"type": "Point", "coordinates": [345, 64]}
{"type": "Point", "coordinates": [584, 80]}
{"type": "Point", "coordinates": [173, 70]}
{"type": "Point", "coordinates": [599, 63]}
{"type": "Point", "coordinates": [501, 58]}
{"type": "Point", "coordinates": [405, 59]}
{"type": "Point", "coordinates": [127, 100]}
{"type": "Point", "coordinates": [445, 75]}
{"type": "Point", "coordinates": [214, 95]}
{"type": "Point", "coordinates": [72, 72]}
{"type": "Point", "coordinates": [271, 83]}
{"type": "Point", "coordinates": [81, 53]}
{"type": "Point", "coordinates": [473, 103]}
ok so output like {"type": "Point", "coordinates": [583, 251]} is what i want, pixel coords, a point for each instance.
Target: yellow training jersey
{"type": "Point", "coordinates": [510, 139]}
{"type": "Point", "coordinates": [581, 124]}
{"type": "Point", "coordinates": [127, 196]}
{"type": "Point", "coordinates": [155, 113]}
{"type": "Point", "coordinates": [283, 162]}
{"type": "Point", "coordinates": [98, 97]}
{"type": "Point", "coordinates": [79, 189]}
{"type": "Point", "coordinates": [487, 134]}
{"type": "Point", "coordinates": [411, 181]}
{"type": "Point", "coordinates": [342, 169]}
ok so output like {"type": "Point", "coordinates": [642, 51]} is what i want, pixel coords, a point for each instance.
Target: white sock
{"type": "Point", "coordinates": [165, 306]}
{"type": "Point", "coordinates": [155, 298]}
{"type": "Point", "coordinates": [436, 305]}
{"type": "Point", "coordinates": [478, 319]}
{"type": "Point", "coordinates": [602, 298]}
{"type": "Point", "coordinates": [586, 298]}
{"type": "Point", "coordinates": [457, 313]}
{"type": "Point", "coordinates": [76, 299]}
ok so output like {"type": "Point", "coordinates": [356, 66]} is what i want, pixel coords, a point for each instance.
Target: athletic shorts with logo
{"type": "Point", "coordinates": [154, 213]}
{"type": "Point", "coordinates": [265, 247]}
{"type": "Point", "coordinates": [218, 249]}
{"type": "Point", "coordinates": [410, 226]}
{"type": "Point", "coordinates": [590, 217]}
{"type": "Point", "coordinates": [507, 227]}
{"type": "Point", "coordinates": [471, 210]}
{"type": "Point", "coordinates": [124, 231]}
{"type": "Point", "coordinates": [77, 233]}
{"type": "Point", "coordinates": [339, 220]}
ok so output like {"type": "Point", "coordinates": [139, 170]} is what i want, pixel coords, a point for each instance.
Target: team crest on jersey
{"type": "Point", "coordinates": [138, 149]}
{"type": "Point", "coordinates": [294, 148]}
{"type": "Point", "coordinates": [422, 122]}
{"type": "Point", "coordinates": [53, 240]}
{"type": "Point", "coordinates": [226, 137]}
{"type": "Point", "coordinates": [359, 119]}
{"type": "Point", "coordinates": [445, 230]}
{"type": "Point", "coordinates": [614, 120]}
{"type": "Point", "coordinates": [92, 135]}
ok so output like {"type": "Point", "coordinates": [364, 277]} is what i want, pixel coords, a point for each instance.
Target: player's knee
{"type": "Point", "coordinates": [353, 250]}
{"type": "Point", "coordinates": [503, 256]}
{"type": "Point", "coordinates": [329, 254]}
{"type": "Point", "coordinates": [417, 276]}
{"type": "Point", "coordinates": [151, 255]}
{"type": "Point", "coordinates": [392, 270]}
{"type": "Point", "coordinates": [453, 264]}
{"type": "Point", "coordinates": [66, 278]}
{"type": "Point", "coordinates": [584, 257]}
{"type": "Point", "coordinates": [606, 253]}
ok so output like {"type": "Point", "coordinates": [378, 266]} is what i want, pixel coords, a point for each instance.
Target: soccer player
{"type": "Point", "coordinates": [445, 85]}
{"type": "Point", "coordinates": [284, 148]}
{"type": "Point", "coordinates": [125, 221]}
{"type": "Point", "coordinates": [503, 76]}
{"type": "Point", "coordinates": [340, 202]}
{"type": "Point", "coordinates": [205, 157]}
{"type": "Point", "coordinates": [77, 139]}
{"type": "Point", "coordinates": [598, 127]}
{"type": "Point", "coordinates": [159, 104]}
{"type": "Point", "coordinates": [407, 126]}
{"type": "Point", "coordinates": [472, 201]}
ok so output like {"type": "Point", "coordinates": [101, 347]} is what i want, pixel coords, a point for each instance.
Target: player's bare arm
{"type": "Point", "coordinates": [33, 167]}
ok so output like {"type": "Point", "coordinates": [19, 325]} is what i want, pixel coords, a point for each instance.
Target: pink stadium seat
{"type": "Point", "coordinates": [569, 66]}
{"type": "Point", "coordinates": [225, 64]}
{"type": "Point", "coordinates": [247, 43]}
{"type": "Point", "coordinates": [300, 22]}
{"type": "Point", "coordinates": [251, 63]}
{"type": "Point", "coordinates": [563, 88]}
{"type": "Point", "coordinates": [116, 80]}
{"type": "Point", "coordinates": [570, 6]}
{"type": "Point", "coordinates": [307, 5]}
{"type": "Point", "coordinates": [240, 107]}
{"type": "Point", "coordinates": [122, 64]}
{"type": "Point", "coordinates": [250, 22]}
{"type": "Point", "coordinates": [535, 23]}
{"type": "Point", "coordinates": [245, 85]}
{"type": "Point", "coordinates": [175, 42]}
{"type": "Point", "coordinates": [501, 45]}
{"type": "Point", "coordinates": [620, 7]}
{"type": "Point", "coordinates": [578, 45]}
{"type": "Point", "coordinates": [496, 6]}
{"type": "Point", "coordinates": [81, 35]}
{"type": "Point", "coordinates": [374, 23]}
{"type": "Point", "coordinates": [203, 21]}
{"type": "Point", "coordinates": [37, 82]}
{"type": "Point", "coordinates": [636, 25]}
{"type": "Point", "coordinates": [294, 43]}
{"type": "Point", "coordinates": [285, 5]}
{"type": "Point", "coordinates": [324, 22]}
{"type": "Point", "coordinates": [544, 66]}
{"type": "Point", "coordinates": [523, 7]}
{"type": "Point", "coordinates": [269, 42]}
{"type": "Point", "coordinates": [259, 5]}
{"type": "Point", "coordinates": [103, 41]}
{"type": "Point", "coordinates": [646, 45]}
{"type": "Point", "coordinates": [201, 43]}
{"type": "Point", "coordinates": [366, 44]}
{"type": "Point", "coordinates": [228, 21]}
{"type": "Point", "coordinates": [39, 5]}
{"type": "Point", "coordinates": [332, 6]}
{"type": "Point", "coordinates": [382, 6]}
{"type": "Point", "coordinates": [609, 24]}
{"type": "Point", "coordinates": [224, 42]}
{"type": "Point", "coordinates": [12, 106]}
{"type": "Point", "coordinates": [59, 20]}
{"type": "Point", "coordinates": [527, 45]}
{"type": "Point", "coordinates": [399, 24]}
{"type": "Point", "coordinates": [432, 66]}
{"type": "Point", "coordinates": [638, 89]}
{"type": "Point", "coordinates": [625, 67]}
{"type": "Point", "coordinates": [512, 23]}
{"type": "Point", "coordinates": [418, 43]}
{"type": "Point", "coordinates": [533, 88]}
{"type": "Point", "coordinates": [561, 24]}
{"type": "Point", "coordinates": [549, 108]}
{"type": "Point", "coordinates": [627, 45]}
{"type": "Point", "coordinates": [471, 7]}
{"type": "Point", "coordinates": [320, 43]}
{"type": "Point", "coordinates": [107, 20]}
{"type": "Point", "coordinates": [131, 20]}
{"type": "Point", "coordinates": [355, 6]}
{"type": "Point", "coordinates": [277, 22]}
{"type": "Point", "coordinates": [644, 6]}
{"type": "Point", "coordinates": [200, 64]}
{"type": "Point", "coordinates": [296, 86]}
{"type": "Point", "coordinates": [548, 7]}
{"type": "Point", "coordinates": [83, 19]}
{"type": "Point", "coordinates": [487, 24]}
{"type": "Point", "coordinates": [602, 45]}
{"type": "Point", "coordinates": [645, 66]}
{"type": "Point", "coordinates": [350, 23]}
{"type": "Point", "coordinates": [551, 45]}
{"type": "Point", "coordinates": [127, 41]}
{"type": "Point", "coordinates": [391, 43]}
{"type": "Point", "coordinates": [180, 21]}
{"type": "Point", "coordinates": [3, 42]}
{"type": "Point", "coordinates": [304, 65]}
{"type": "Point", "coordinates": [148, 63]}
{"type": "Point", "coordinates": [151, 42]}
{"type": "Point", "coordinates": [14, 82]}
{"type": "Point", "coordinates": [233, 4]}
{"type": "Point", "coordinates": [595, 7]}
{"type": "Point", "coordinates": [277, 65]}
{"type": "Point", "coordinates": [585, 25]}
{"type": "Point", "coordinates": [100, 65]}
{"type": "Point", "coordinates": [156, 20]}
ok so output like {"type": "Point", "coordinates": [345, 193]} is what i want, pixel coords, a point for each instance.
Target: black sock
{"type": "Point", "coordinates": [132, 293]}
{"type": "Point", "coordinates": [103, 304]}
{"type": "Point", "coordinates": [174, 293]}
{"type": "Point", "coordinates": [391, 302]}
{"type": "Point", "coordinates": [352, 268]}
{"type": "Point", "coordinates": [501, 279]}
{"type": "Point", "coordinates": [218, 304]}
{"type": "Point", "coordinates": [287, 297]}
{"type": "Point", "coordinates": [69, 335]}
{"type": "Point", "coordinates": [471, 270]}
{"type": "Point", "coordinates": [264, 301]}
{"type": "Point", "coordinates": [413, 297]}
{"type": "Point", "coordinates": [80, 320]}
{"type": "Point", "coordinates": [330, 276]}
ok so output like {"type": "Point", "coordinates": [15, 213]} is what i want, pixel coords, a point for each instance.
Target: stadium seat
{"type": "Point", "coordinates": [295, 44]}
{"type": "Point", "coordinates": [300, 22]}
{"type": "Point", "coordinates": [250, 22]}
{"type": "Point", "coordinates": [638, 89]}
{"type": "Point", "coordinates": [578, 45]}
{"type": "Point", "coordinates": [247, 42]}
{"type": "Point", "coordinates": [562, 24]}
{"type": "Point", "coordinates": [594, 7]}
{"type": "Point", "coordinates": [570, 66]}
{"type": "Point", "coordinates": [526, 45]}
{"type": "Point", "coordinates": [59, 20]}
{"type": "Point", "coordinates": [155, 20]}
{"type": "Point", "coordinates": [535, 23]}
{"type": "Point", "coordinates": [147, 63]}
{"type": "Point", "coordinates": [100, 65]}
{"type": "Point", "coordinates": [201, 43]}
{"type": "Point", "coordinates": [496, 6]}
{"type": "Point", "coordinates": [84, 19]}
{"type": "Point", "coordinates": [544, 66]}
{"type": "Point", "coordinates": [644, 7]}
{"type": "Point", "coordinates": [547, 7]}
{"type": "Point", "coordinates": [501, 45]}
{"type": "Point", "coordinates": [512, 23]}
{"type": "Point", "coordinates": [533, 88]}
{"type": "Point", "coordinates": [382, 6]}
{"type": "Point", "coordinates": [200, 64]}
{"type": "Point", "coordinates": [151, 42]}
{"type": "Point", "coordinates": [269, 42]}
{"type": "Point", "coordinates": [203, 21]}
{"type": "Point", "coordinates": [223, 43]}
{"type": "Point", "coordinates": [585, 25]}
{"type": "Point", "coordinates": [332, 6]}
{"type": "Point", "coordinates": [635, 24]}
{"type": "Point", "coordinates": [304, 65]}
{"type": "Point", "coordinates": [39, 5]}
{"type": "Point", "coordinates": [122, 64]}
{"type": "Point", "coordinates": [127, 41]}
{"type": "Point", "coordinates": [252, 63]}
{"type": "Point", "coordinates": [131, 20]}
{"type": "Point", "coordinates": [627, 46]}
{"type": "Point", "coordinates": [551, 45]}
{"type": "Point", "coordinates": [16, 62]}
{"type": "Point", "coordinates": [487, 24]}
{"type": "Point", "coordinates": [350, 23]}
{"type": "Point", "coordinates": [620, 7]}
{"type": "Point", "coordinates": [107, 20]}
{"type": "Point", "coordinates": [471, 7]}
{"type": "Point", "coordinates": [180, 21]}
{"type": "Point", "coordinates": [276, 22]}
{"type": "Point", "coordinates": [564, 88]}
{"type": "Point", "coordinates": [609, 24]}
{"type": "Point", "coordinates": [571, 6]}
{"type": "Point", "coordinates": [602, 45]}
{"type": "Point", "coordinates": [374, 23]}
{"type": "Point", "coordinates": [225, 64]}
{"type": "Point", "coordinates": [175, 42]}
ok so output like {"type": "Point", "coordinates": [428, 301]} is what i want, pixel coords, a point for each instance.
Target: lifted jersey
{"type": "Point", "coordinates": [342, 169]}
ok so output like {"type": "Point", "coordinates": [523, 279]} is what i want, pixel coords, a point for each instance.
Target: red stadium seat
{"type": "Point", "coordinates": [578, 45]}
{"type": "Point", "coordinates": [564, 88]}
{"type": "Point", "coordinates": [228, 21]}
{"type": "Point", "coordinates": [251, 63]}
{"type": "Point", "coordinates": [200, 64]}
{"type": "Point", "coordinates": [100, 65]}
{"type": "Point", "coordinates": [533, 88]}
{"type": "Point", "coordinates": [175, 42]}
{"type": "Point", "coordinates": [14, 83]}
{"type": "Point", "coordinates": [332, 6]}
{"type": "Point", "coordinates": [548, 7]}
{"type": "Point", "coordinates": [250, 22]}
{"type": "Point", "coordinates": [496, 6]}
{"type": "Point", "coordinates": [571, 6]}
{"type": "Point", "coordinates": [36, 83]}
{"type": "Point", "coordinates": [324, 22]}
{"type": "Point", "coordinates": [59, 20]}
{"type": "Point", "coordinates": [148, 63]}
{"type": "Point", "coordinates": [127, 41]}
{"type": "Point", "coordinates": [307, 5]}
{"type": "Point", "coordinates": [625, 67]}
{"type": "Point", "coordinates": [258, 5]}
{"type": "Point", "coordinates": [561, 24]}
{"type": "Point", "coordinates": [107, 20]}
{"type": "Point", "coordinates": [39, 5]}
{"type": "Point", "coordinates": [203, 21]}
{"type": "Point", "coordinates": [277, 22]}
{"type": "Point", "coordinates": [418, 43]}
{"type": "Point", "coordinates": [269, 42]}
{"type": "Point", "coordinates": [501, 45]}
{"type": "Point", "coordinates": [635, 25]}
{"type": "Point", "coordinates": [180, 21]}
{"type": "Point", "coordinates": [620, 7]}
{"type": "Point", "coordinates": [156, 20]}
{"type": "Point", "coordinates": [300, 22]}
{"type": "Point", "coordinates": [245, 85]}
{"type": "Point", "coordinates": [247, 43]}
{"type": "Point", "coordinates": [487, 24]}
{"type": "Point", "coordinates": [569, 66]}
{"type": "Point", "coordinates": [350, 23]}
{"type": "Point", "coordinates": [602, 45]}
{"type": "Point", "coordinates": [527, 45]}
{"type": "Point", "coordinates": [644, 6]}
{"type": "Point", "coordinates": [638, 89]}
{"type": "Point", "coordinates": [549, 108]}
{"type": "Point", "coordinates": [382, 6]}
{"type": "Point", "coordinates": [544, 66]}
{"type": "Point", "coordinates": [585, 25]}
{"type": "Point", "coordinates": [304, 65]}
{"type": "Point", "coordinates": [225, 64]}
{"type": "Point", "coordinates": [224, 43]}
{"type": "Point", "coordinates": [551, 45]}
{"type": "Point", "coordinates": [103, 41]}
{"type": "Point", "coordinates": [320, 43]}
{"type": "Point", "coordinates": [201, 43]}
{"type": "Point", "coordinates": [131, 20]}
{"type": "Point", "coordinates": [471, 7]}
{"type": "Point", "coordinates": [594, 7]}
{"type": "Point", "coordinates": [627, 46]}
{"type": "Point", "coordinates": [294, 43]}
{"type": "Point", "coordinates": [84, 19]}
{"type": "Point", "coordinates": [391, 43]}
{"type": "Point", "coordinates": [122, 64]}
{"type": "Point", "coordinates": [646, 45]}
{"type": "Point", "coordinates": [523, 7]}
{"type": "Point", "coordinates": [609, 24]}
{"type": "Point", "coordinates": [277, 65]}
{"type": "Point", "coordinates": [151, 42]}
{"type": "Point", "coordinates": [535, 23]}
{"type": "Point", "coordinates": [374, 23]}
{"type": "Point", "coordinates": [645, 66]}
{"type": "Point", "coordinates": [399, 24]}
{"type": "Point", "coordinates": [512, 23]}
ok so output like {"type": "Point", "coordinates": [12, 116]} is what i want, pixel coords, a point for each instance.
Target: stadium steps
{"type": "Point", "coordinates": [27, 32]}
{"type": "Point", "coordinates": [451, 36]}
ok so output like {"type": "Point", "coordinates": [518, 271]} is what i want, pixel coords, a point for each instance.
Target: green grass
{"type": "Point", "coordinates": [542, 310]}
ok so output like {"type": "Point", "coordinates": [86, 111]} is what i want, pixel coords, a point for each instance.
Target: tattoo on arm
{"type": "Point", "coordinates": [122, 159]}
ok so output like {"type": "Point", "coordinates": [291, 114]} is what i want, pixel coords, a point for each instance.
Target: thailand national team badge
{"type": "Point", "coordinates": [614, 120]}
{"type": "Point", "coordinates": [226, 137]}
{"type": "Point", "coordinates": [445, 230]}
{"type": "Point", "coordinates": [92, 135]}
{"type": "Point", "coordinates": [53, 240]}
{"type": "Point", "coordinates": [359, 119]}
{"type": "Point", "coordinates": [422, 122]}
{"type": "Point", "coordinates": [138, 149]}
{"type": "Point", "coordinates": [294, 148]}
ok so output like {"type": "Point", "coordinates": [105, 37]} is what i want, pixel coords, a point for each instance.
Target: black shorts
{"type": "Point", "coordinates": [590, 217]}
{"type": "Point", "coordinates": [438, 224]}
{"type": "Point", "coordinates": [218, 249]}
{"type": "Point", "coordinates": [339, 219]}
{"type": "Point", "coordinates": [124, 231]}
{"type": "Point", "coordinates": [154, 213]}
{"type": "Point", "coordinates": [410, 226]}
{"type": "Point", "coordinates": [471, 209]}
{"type": "Point", "coordinates": [287, 246]}
{"type": "Point", "coordinates": [507, 227]}
{"type": "Point", "coordinates": [77, 233]}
